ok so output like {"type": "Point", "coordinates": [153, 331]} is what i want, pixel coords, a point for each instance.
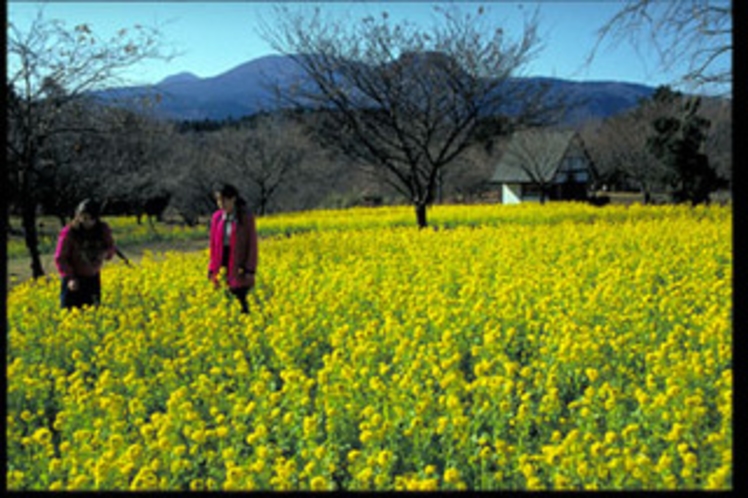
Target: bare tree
{"type": "Point", "coordinates": [407, 100]}
{"type": "Point", "coordinates": [468, 181]}
{"type": "Point", "coordinates": [134, 159]}
{"type": "Point", "coordinates": [194, 168]}
{"type": "Point", "coordinates": [264, 155]}
{"type": "Point", "coordinates": [697, 31]}
{"type": "Point", "coordinates": [68, 173]}
{"type": "Point", "coordinates": [619, 148]}
{"type": "Point", "coordinates": [51, 67]}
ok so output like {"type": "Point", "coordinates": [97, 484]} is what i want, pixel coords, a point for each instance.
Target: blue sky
{"type": "Point", "coordinates": [217, 36]}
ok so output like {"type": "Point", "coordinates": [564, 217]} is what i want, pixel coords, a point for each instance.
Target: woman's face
{"type": "Point", "coordinates": [86, 220]}
{"type": "Point", "coordinates": [225, 203]}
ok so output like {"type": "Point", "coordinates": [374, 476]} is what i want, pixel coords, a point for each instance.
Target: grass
{"type": "Point", "coordinates": [132, 239]}
{"type": "Point", "coordinates": [19, 269]}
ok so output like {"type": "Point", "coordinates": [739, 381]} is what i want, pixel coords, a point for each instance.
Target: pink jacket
{"type": "Point", "coordinates": [242, 247]}
{"type": "Point", "coordinates": [80, 258]}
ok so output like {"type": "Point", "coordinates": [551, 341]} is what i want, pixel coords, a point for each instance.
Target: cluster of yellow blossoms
{"type": "Point", "coordinates": [517, 347]}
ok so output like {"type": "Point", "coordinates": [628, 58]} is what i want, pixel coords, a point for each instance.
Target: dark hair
{"type": "Point", "coordinates": [90, 207]}
{"type": "Point", "coordinates": [226, 190]}
{"type": "Point", "coordinates": [229, 191]}
{"type": "Point", "coordinates": [96, 233]}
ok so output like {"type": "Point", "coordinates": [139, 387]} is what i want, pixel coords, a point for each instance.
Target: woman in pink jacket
{"type": "Point", "coordinates": [233, 244]}
{"type": "Point", "coordinates": [82, 247]}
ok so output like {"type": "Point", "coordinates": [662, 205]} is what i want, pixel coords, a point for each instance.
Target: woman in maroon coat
{"type": "Point", "coordinates": [82, 247]}
{"type": "Point", "coordinates": [233, 244]}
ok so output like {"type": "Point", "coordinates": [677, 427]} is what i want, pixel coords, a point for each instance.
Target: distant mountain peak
{"type": "Point", "coordinates": [183, 77]}
{"type": "Point", "coordinates": [248, 88]}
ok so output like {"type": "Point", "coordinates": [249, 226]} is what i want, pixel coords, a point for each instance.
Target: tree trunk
{"type": "Point", "coordinates": [421, 215]}
{"type": "Point", "coordinates": [542, 194]}
{"type": "Point", "coordinates": [646, 193]}
{"type": "Point", "coordinates": [31, 236]}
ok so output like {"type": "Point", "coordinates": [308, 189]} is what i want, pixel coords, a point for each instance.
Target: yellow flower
{"type": "Point", "coordinates": [365, 475]}
{"type": "Point", "coordinates": [384, 457]}
{"type": "Point", "coordinates": [485, 453]}
{"type": "Point", "coordinates": [451, 475]}
{"type": "Point", "coordinates": [318, 483]}
{"type": "Point", "coordinates": [42, 436]}
{"type": "Point", "coordinates": [78, 482]}
{"type": "Point", "coordinates": [592, 374]}
{"type": "Point", "coordinates": [428, 485]}
{"type": "Point", "coordinates": [689, 459]}
{"type": "Point", "coordinates": [55, 465]}
{"type": "Point", "coordinates": [353, 455]}
{"type": "Point", "coordinates": [676, 432]}
{"type": "Point", "coordinates": [560, 481]}
{"type": "Point", "coordinates": [629, 429]}
{"type": "Point", "coordinates": [717, 480]}
{"type": "Point", "coordinates": [441, 425]}
{"type": "Point", "coordinates": [366, 436]}
{"type": "Point", "coordinates": [610, 437]}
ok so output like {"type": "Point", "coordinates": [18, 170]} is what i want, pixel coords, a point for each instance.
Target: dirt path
{"type": "Point", "coordinates": [19, 269]}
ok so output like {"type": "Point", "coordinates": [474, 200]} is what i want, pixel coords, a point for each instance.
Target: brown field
{"type": "Point", "coordinates": [19, 269]}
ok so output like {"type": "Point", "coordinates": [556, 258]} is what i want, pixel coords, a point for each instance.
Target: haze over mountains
{"type": "Point", "coordinates": [244, 90]}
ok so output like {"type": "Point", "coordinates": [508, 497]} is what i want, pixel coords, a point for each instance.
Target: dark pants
{"type": "Point", "coordinates": [241, 292]}
{"type": "Point", "coordinates": [89, 292]}
{"type": "Point", "coordinates": [241, 295]}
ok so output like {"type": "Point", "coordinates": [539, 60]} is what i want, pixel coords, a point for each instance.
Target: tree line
{"type": "Point", "coordinates": [393, 112]}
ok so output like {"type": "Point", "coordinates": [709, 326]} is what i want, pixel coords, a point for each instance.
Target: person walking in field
{"type": "Point", "coordinates": [82, 247]}
{"type": "Point", "coordinates": [233, 244]}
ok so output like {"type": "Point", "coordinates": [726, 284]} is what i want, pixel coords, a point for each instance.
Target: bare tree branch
{"type": "Point", "coordinates": [50, 69]}
{"type": "Point", "coordinates": [698, 32]}
{"type": "Point", "coordinates": [405, 99]}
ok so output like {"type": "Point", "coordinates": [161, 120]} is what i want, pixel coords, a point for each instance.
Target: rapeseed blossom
{"type": "Point", "coordinates": [522, 347]}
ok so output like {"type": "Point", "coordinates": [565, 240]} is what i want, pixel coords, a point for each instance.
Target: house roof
{"type": "Point", "coordinates": [532, 155]}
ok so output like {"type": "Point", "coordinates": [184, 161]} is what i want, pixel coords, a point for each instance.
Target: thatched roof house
{"type": "Point", "coordinates": [541, 165]}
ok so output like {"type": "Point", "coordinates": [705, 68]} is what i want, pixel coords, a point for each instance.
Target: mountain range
{"type": "Point", "coordinates": [244, 91]}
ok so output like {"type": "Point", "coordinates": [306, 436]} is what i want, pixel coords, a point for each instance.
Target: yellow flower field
{"type": "Point", "coordinates": [516, 347]}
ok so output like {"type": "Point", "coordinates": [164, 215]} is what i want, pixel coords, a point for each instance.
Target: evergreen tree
{"type": "Point", "coordinates": [678, 144]}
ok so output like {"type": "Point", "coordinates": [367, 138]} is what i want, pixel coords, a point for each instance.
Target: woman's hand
{"type": "Point", "coordinates": [247, 276]}
{"type": "Point", "coordinates": [73, 284]}
{"type": "Point", "coordinates": [213, 277]}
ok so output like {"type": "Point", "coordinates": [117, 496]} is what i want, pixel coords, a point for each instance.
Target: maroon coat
{"type": "Point", "coordinates": [83, 256]}
{"type": "Point", "coordinates": [242, 249]}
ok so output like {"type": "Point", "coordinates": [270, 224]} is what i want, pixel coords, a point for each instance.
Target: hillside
{"type": "Point", "coordinates": [246, 89]}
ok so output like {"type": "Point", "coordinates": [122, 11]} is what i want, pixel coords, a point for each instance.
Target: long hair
{"type": "Point", "coordinates": [93, 236]}
{"type": "Point", "coordinates": [229, 191]}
